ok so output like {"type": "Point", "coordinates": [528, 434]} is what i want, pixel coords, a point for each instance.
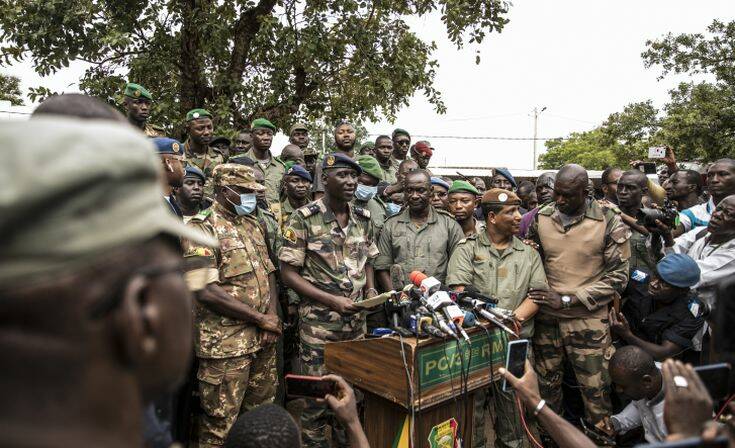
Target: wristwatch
{"type": "Point", "coordinates": [566, 301]}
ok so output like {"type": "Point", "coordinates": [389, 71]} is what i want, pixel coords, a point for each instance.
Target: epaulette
{"type": "Point", "coordinates": [202, 215]}
{"type": "Point", "coordinates": [359, 211]}
{"type": "Point", "coordinates": [444, 212]}
{"type": "Point", "coordinates": [468, 238]}
{"type": "Point", "coordinates": [309, 210]}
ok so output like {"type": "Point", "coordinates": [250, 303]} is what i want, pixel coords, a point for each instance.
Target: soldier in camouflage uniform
{"type": "Point", "coordinates": [272, 168]}
{"type": "Point", "coordinates": [585, 250]}
{"type": "Point", "coordinates": [325, 258]}
{"type": "Point", "coordinates": [296, 192]}
{"type": "Point", "coordinates": [137, 104]}
{"type": "Point", "coordinates": [235, 315]}
{"type": "Point", "coordinates": [197, 151]}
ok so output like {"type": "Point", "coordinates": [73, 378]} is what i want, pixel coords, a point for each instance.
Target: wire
{"type": "Point", "coordinates": [463, 137]}
{"type": "Point", "coordinates": [525, 426]}
{"type": "Point", "coordinates": [724, 406]}
{"type": "Point", "coordinates": [411, 426]}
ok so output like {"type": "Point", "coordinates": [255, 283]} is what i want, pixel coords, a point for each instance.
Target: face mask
{"type": "Point", "coordinates": [393, 209]}
{"type": "Point", "coordinates": [365, 193]}
{"type": "Point", "coordinates": [248, 201]}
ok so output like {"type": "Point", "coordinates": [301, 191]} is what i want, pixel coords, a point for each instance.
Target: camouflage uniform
{"type": "Point", "coordinates": [236, 371]}
{"type": "Point", "coordinates": [589, 259]}
{"type": "Point", "coordinates": [205, 162]}
{"type": "Point", "coordinates": [273, 173]}
{"type": "Point", "coordinates": [152, 130]}
{"type": "Point", "coordinates": [333, 260]}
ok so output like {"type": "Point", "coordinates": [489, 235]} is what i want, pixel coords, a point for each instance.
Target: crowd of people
{"type": "Point", "coordinates": [121, 242]}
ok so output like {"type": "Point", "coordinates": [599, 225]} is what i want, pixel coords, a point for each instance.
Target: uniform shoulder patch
{"type": "Point", "coordinates": [289, 234]}
{"type": "Point", "coordinates": [445, 213]}
{"type": "Point", "coordinates": [203, 215]}
{"type": "Point", "coordinates": [309, 210]}
{"type": "Point", "coordinates": [365, 213]}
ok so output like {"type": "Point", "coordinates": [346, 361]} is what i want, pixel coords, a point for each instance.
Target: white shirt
{"type": "Point", "coordinates": [697, 215]}
{"type": "Point", "coordinates": [646, 413]}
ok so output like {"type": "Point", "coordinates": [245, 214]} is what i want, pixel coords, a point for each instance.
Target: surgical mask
{"type": "Point", "coordinates": [248, 201]}
{"type": "Point", "coordinates": [393, 209]}
{"type": "Point", "coordinates": [365, 193]}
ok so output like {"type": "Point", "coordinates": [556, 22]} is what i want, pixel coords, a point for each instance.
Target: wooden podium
{"type": "Point", "coordinates": [429, 385]}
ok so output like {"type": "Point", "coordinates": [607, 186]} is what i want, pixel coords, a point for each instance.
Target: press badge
{"type": "Point", "coordinates": [694, 307]}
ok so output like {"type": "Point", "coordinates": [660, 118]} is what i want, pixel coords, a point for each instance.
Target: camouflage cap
{"type": "Point", "coordinates": [75, 191]}
{"type": "Point", "coordinates": [300, 126]}
{"type": "Point", "coordinates": [498, 196]}
{"type": "Point", "coordinates": [235, 175]}
{"type": "Point", "coordinates": [136, 91]}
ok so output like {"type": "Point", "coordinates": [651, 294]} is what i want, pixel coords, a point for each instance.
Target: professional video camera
{"type": "Point", "coordinates": [667, 215]}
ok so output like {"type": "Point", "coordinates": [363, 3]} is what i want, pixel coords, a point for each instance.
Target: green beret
{"type": "Point", "coordinates": [370, 165]}
{"type": "Point", "coordinates": [262, 123]}
{"type": "Point", "coordinates": [399, 131]}
{"type": "Point", "coordinates": [136, 91]}
{"type": "Point", "coordinates": [197, 113]}
{"type": "Point", "coordinates": [64, 220]}
{"type": "Point", "coordinates": [462, 186]}
{"type": "Point", "coordinates": [367, 144]}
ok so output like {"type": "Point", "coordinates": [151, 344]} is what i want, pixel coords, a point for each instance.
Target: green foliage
{"type": "Point", "coordinates": [10, 90]}
{"type": "Point", "coordinates": [321, 59]}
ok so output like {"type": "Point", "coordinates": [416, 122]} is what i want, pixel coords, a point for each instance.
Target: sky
{"type": "Point", "coordinates": [578, 58]}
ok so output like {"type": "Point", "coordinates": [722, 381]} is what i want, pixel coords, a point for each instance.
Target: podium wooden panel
{"type": "Point", "coordinates": [376, 366]}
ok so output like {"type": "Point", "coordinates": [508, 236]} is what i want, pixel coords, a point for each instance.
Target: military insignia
{"type": "Point", "coordinates": [330, 160]}
{"type": "Point", "coordinates": [175, 147]}
{"type": "Point", "coordinates": [136, 93]}
{"type": "Point", "coordinates": [502, 197]}
{"type": "Point", "coordinates": [195, 115]}
{"type": "Point", "coordinates": [290, 170]}
{"type": "Point", "coordinates": [289, 235]}
{"type": "Point", "coordinates": [203, 252]}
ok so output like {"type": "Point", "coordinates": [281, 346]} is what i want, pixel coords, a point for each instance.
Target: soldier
{"type": "Point", "coordinates": [478, 183]}
{"type": "Point", "coordinates": [262, 132]}
{"type": "Point", "coordinates": [190, 196]}
{"type": "Point", "coordinates": [498, 264]}
{"type": "Point", "coordinates": [344, 143]}
{"type": "Point", "coordinates": [585, 250]}
{"type": "Point", "coordinates": [401, 143]}
{"type": "Point", "coordinates": [223, 144]}
{"type": "Point", "coordinates": [366, 194]}
{"type": "Point", "coordinates": [421, 152]}
{"type": "Point", "coordinates": [296, 192]}
{"type": "Point", "coordinates": [420, 238]}
{"type": "Point", "coordinates": [310, 158]}
{"type": "Point", "coordinates": [325, 258]}
{"type": "Point", "coordinates": [242, 144]}
{"type": "Point", "coordinates": [462, 201]}
{"type": "Point", "coordinates": [173, 166]}
{"type": "Point", "coordinates": [292, 153]}
{"type": "Point", "coordinates": [383, 152]}
{"type": "Point", "coordinates": [235, 315]}
{"type": "Point", "coordinates": [299, 135]}
{"type": "Point", "coordinates": [137, 104]}
{"type": "Point", "coordinates": [367, 149]}
{"type": "Point", "coordinates": [503, 179]}
{"type": "Point", "coordinates": [197, 150]}
{"type": "Point", "coordinates": [96, 323]}
{"type": "Point", "coordinates": [439, 193]}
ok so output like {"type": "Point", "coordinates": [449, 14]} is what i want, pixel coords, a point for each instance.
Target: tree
{"type": "Point", "coordinates": [10, 90]}
{"type": "Point", "coordinates": [323, 59]}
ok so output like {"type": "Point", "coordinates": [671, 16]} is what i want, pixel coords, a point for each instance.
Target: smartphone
{"type": "Point", "coordinates": [718, 442]}
{"type": "Point", "coordinates": [515, 360]}
{"type": "Point", "coordinates": [656, 152]}
{"type": "Point", "coordinates": [716, 378]}
{"type": "Point", "coordinates": [299, 386]}
{"type": "Point", "coordinates": [647, 167]}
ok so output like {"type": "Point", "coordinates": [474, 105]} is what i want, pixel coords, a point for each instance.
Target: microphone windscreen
{"type": "Point", "coordinates": [417, 277]}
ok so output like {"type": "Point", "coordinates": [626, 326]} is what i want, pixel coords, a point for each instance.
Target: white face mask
{"type": "Point", "coordinates": [365, 193]}
{"type": "Point", "coordinates": [248, 202]}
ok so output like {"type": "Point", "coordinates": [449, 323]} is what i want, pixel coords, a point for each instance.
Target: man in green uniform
{"type": "Point", "coordinates": [498, 264]}
{"type": "Point", "coordinates": [137, 104]}
{"type": "Point", "coordinates": [585, 250]}
{"type": "Point", "coordinates": [235, 316]}
{"type": "Point", "coordinates": [367, 149]}
{"type": "Point", "coordinates": [420, 238]}
{"type": "Point", "coordinates": [401, 144]}
{"type": "Point", "coordinates": [242, 143]}
{"type": "Point", "coordinates": [291, 153]}
{"type": "Point", "coordinates": [310, 159]}
{"type": "Point", "coordinates": [190, 196]}
{"type": "Point", "coordinates": [461, 202]}
{"type": "Point", "coordinates": [299, 135]}
{"type": "Point", "coordinates": [296, 192]}
{"type": "Point", "coordinates": [262, 132]}
{"type": "Point", "coordinates": [366, 194]}
{"type": "Point", "coordinates": [383, 153]}
{"type": "Point", "coordinates": [197, 150]}
{"type": "Point", "coordinates": [325, 258]}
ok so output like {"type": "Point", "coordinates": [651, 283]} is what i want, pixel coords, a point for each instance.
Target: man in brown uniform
{"type": "Point", "coordinates": [585, 250]}
{"type": "Point", "coordinates": [235, 315]}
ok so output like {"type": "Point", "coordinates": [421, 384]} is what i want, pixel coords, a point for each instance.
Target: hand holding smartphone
{"type": "Point", "coordinates": [299, 386]}
{"type": "Point", "coordinates": [515, 360]}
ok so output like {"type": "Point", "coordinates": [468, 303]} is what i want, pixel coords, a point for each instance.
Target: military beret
{"type": "Point", "coordinates": [506, 174]}
{"type": "Point", "coordinates": [423, 147]}
{"type": "Point", "coordinates": [193, 171]}
{"type": "Point", "coordinates": [679, 270]}
{"type": "Point", "coordinates": [262, 123]}
{"type": "Point", "coordinates": [235, 175]}
{"type": "Point", "coordinates": [197, 113]}
{"type": "Point", "coordinates": [133, 90]}
{"type": "Point", "coordinates": [399, 131]}
{"type": "Point", "coordinates": [370, 165]}
{"type": "Point", "coordinates": [498, 196]}
{"type": "Point", "coordinates": [65, 220]}
{"type": "Point", "coordinates": [340, 160]}
{"type": "Point", "coordinates": [439, 181]}
{"type": "Point", "coordinates": [462, 186]}
{"type": "Point", "coordinates": [298, 127]}
{"type": "Point", "coordinates": [165, 145]}
{"type": "Point", "coordinates": [220, 139]}
{"type": "Point", "coordinates": [298, 170]}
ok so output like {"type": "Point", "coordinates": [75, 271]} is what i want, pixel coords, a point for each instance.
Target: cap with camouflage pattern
{"type": "Point", "coordinates": [235, 175]}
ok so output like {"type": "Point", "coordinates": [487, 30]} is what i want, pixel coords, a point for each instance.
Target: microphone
{"type": "Point", "coordinates": [472, 292]}
{"type": "Point", "coordinates": [396, 277]}
{"type": "Point", "coordinates": [470, 320]}
{"type": "Point", "coordinates": [422, 325]}
{"type": "Point", "coordinates": [427, 285]}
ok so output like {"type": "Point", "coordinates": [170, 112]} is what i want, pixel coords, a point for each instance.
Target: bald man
{"type": "Point", "coordinates": [292, 153]}
{"type": "Point", "coordinates": [585, 251]}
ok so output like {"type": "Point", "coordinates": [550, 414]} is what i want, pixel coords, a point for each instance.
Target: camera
{"type": "Point", "coordinates": [667, 215]}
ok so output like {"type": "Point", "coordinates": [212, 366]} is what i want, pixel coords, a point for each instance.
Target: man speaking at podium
{"type": "Point", "coordinates": [328, 246]}
{"type": "Point", "coordinates": [497, 264]}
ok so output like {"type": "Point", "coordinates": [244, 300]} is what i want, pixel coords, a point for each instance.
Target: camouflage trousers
{"type": "Point", "coordinates": [316, 418]}
{"type": "Point", "coordinates": [230, 386]}
{"type": "Point", "coordinates": [586, 343]}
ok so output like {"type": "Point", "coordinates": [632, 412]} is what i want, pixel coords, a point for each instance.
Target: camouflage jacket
{"type": "Point", "coordinates": [242, 268]}
{"type": "Point", "coordinates": [588, 258]}
{"type": "Point", "coordinates": [152, 130]}
{"type": "Point", "coordinates": [205, 162]}
{"type": "Point", "coordinates": [332, 258]}
{"type": "Point", "coordinates": [273, 173]}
